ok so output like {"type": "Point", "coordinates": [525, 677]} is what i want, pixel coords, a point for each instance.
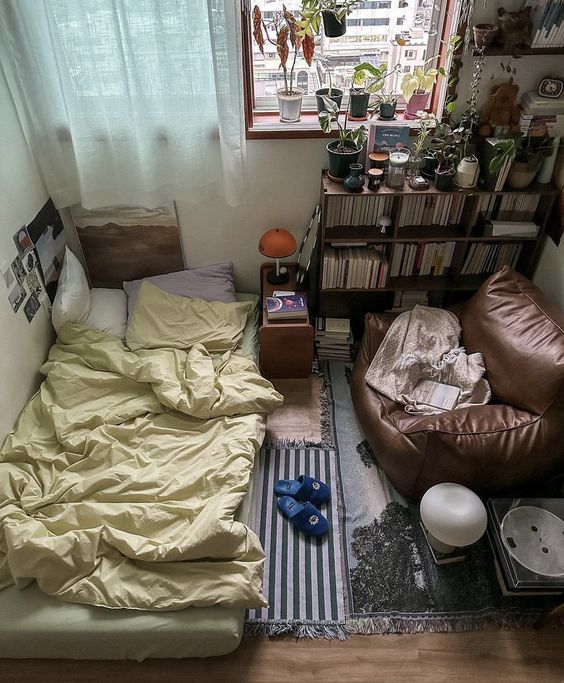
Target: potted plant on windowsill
{"type": "Point", "coordinates": [335, 94]}
{"type": "Point", "coordinates": [285, 34]}
{"type": "Point", "coordinates": [333, 14]}
{"type": "Point", "coordinates": [347, 148]}
{"type": "Point", "coordinates": [374, 79]}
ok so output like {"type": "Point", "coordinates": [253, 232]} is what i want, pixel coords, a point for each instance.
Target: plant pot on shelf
{"type": "Point", "coordinates": [339, 162]}
{"type": "Point", "coordinates": [522, 173]}
{"type": "Point", "coordinates": [358, 104]}
{"type": "Point", "coordinates": [290, 105]}
{"type": "Point", "coordinates": [444, 180]}
{"type": "Point", "coordinates": [428, 166]}
{"type": "Point", "coordinates": [388, 110]}
{"type": "Point", "coordinates": [416, 102]}
{"type": "Point", "coordinates": [484, 35]}
{"type": "Point", "coordinates": [332, 26]}
{"type": "Point", "coordinates": [468, 172]}
{"type": "Point", "coordinates": [336, 96]}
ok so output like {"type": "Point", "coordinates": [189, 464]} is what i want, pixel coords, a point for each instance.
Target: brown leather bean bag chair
{"type": "Point", "coordinates": [516, 440]}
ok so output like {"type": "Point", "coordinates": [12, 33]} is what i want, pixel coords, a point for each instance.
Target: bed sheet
{"type": "Point", "coordinates": [35, 625]}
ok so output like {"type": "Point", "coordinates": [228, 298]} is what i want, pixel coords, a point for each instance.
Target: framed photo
{"type": "Point", "coordinates": [551, 87]}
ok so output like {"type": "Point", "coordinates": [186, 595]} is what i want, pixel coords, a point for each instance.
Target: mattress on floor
{"type": "Point", "coordinates": [35, 625]}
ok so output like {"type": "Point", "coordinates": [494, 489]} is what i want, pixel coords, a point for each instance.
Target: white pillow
{"type": "Point", "coordinates": [72, 300]}
{"type": "Point", "coordinates": [108, 311]}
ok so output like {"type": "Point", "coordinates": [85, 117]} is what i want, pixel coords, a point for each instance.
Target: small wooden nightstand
{"type": "Point", "coordinates": [285, 348]}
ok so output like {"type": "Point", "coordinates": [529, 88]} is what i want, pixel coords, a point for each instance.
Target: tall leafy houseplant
{"type": "Point", "coordinates": [283, 33]}
{"type": "Point", "coordinates": [416, 86]}
{"type": "Point", "coordinates": [374, 78]}
{"type": "Point", "coordinates": [336, 94]}
{"type": "Point", "coordinates": [332, 13]}
{"type": "Point", "coordinates": [346, 149]}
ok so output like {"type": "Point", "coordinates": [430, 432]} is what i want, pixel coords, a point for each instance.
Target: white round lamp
{"type": "Point", "coordinates": [453, 515]}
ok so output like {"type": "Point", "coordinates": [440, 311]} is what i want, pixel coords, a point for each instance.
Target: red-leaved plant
{"type": "Point", "coordinates": [282, 32]}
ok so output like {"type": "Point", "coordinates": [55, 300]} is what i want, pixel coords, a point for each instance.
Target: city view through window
{"type": "Point", "coordinates": [395, 32]}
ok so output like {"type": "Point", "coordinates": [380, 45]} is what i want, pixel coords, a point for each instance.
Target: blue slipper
{"type": "Point", "coordinates": [305, 516]}
{"type": "Point", "coordinates": [304, 488]}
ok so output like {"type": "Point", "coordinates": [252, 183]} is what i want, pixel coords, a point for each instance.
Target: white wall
{"type": "Point", "coordinates": [284, 183]}
{"type": "Point", "coordinates": [23, 345]}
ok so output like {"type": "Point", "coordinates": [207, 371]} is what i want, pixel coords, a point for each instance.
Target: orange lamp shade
{"type": "Point", "coordinates": [277, 243]}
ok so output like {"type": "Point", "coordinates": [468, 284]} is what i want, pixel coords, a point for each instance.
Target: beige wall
{"type": "Point", "coordinates": [23, 345]}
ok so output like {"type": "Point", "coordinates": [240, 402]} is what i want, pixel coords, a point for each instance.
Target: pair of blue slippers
{"type": "Point", "coordinates": [297, 501]}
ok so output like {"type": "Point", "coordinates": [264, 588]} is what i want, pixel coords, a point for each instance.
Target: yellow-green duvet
{"type": "Point", "coordinates": [120, 484]}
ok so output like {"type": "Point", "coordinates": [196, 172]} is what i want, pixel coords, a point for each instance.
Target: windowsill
{"type": "Point", "coordinates": [267, 126]}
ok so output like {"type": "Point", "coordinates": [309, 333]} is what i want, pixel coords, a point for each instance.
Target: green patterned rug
{"type": "Point", "coordinates": [393, 584]}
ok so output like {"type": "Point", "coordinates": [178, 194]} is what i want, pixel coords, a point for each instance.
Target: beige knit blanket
{"type": "Point", "coordinates": [425, 344]}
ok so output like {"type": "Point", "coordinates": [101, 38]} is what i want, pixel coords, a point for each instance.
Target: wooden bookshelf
{"type": "Point", "coordinates": [347, 222]}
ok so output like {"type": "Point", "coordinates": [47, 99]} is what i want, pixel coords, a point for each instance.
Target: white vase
{"type": "Point", "coordinates": [468, 172]}
{"type": "Point", "coordinates": [547, 168]}
{"type": "Point", "coordinates": [290, 106]}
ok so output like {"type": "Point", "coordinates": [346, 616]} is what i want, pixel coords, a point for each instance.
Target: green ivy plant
{"type": "Point", "coordinates": [349, 139]}
{"type": "Point", "coordinates": [310, 22]}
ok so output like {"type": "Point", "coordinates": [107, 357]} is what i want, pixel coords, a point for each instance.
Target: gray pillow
{"type": "Point", "coordinates": [212, 283]}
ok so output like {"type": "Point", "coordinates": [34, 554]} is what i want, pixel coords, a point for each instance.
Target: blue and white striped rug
{"type": "Point", "coordinates": [303, 577]}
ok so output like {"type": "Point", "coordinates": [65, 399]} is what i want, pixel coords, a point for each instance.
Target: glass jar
{"type": "Point", "coordinates": [397, 169]}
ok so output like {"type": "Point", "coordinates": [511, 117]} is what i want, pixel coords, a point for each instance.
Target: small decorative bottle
{"type": "Point", "coordinates": [355, 181]}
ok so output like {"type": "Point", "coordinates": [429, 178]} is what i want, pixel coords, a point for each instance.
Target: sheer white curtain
{"type": "Point", "coordinates": [129, 101]}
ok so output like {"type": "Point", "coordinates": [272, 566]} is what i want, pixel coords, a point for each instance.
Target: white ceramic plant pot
{"type": "Point", "coordinates": [290, 106]}
{"type": "Point", "coordinates": [468, 172]}
{"type": "Point", "coordinates": [547, 168]}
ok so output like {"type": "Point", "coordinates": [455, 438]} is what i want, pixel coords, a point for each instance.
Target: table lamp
{"type": "Point", "coordinates": [453, 515]}
{"type": "Point", "coordinates": [277, 243]}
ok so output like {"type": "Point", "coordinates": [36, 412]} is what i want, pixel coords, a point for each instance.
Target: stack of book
{"type": "Point", "coordinates": [487, 257]}
{"type": "Point", "coordinates": [421, 258]}
{"type": "Point", "coordinates": [547, 23]}
{"type": "Point", "coordinates": [407, 299]}
{"type": "Point", "coordinates": [540, 114]}
{"type": "Point", "coordinates": [431, 209]}
{"type": "Point", "coordinates": [333, 338]}
{"type": "Point", "coordinates": [354, 267]}
{"type": "Point", "coordinates": [286, 307]}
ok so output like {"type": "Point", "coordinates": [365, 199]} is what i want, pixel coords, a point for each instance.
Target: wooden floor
{"type": "Point", "coordinates": [497, 656]}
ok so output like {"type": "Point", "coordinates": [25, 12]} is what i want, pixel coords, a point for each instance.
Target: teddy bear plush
{"type": "Point", "coordinates": [500, 116]}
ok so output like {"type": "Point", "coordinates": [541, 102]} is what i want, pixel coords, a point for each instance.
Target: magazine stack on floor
{"type": "Point", "coordinates": [333, 338]}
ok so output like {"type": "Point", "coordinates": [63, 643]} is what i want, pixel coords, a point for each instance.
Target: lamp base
{"type": "Point", "coordinates": [280, 279]}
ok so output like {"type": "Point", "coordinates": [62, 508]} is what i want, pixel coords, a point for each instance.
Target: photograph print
{"type": "Point", "coordinates": [47, 233]}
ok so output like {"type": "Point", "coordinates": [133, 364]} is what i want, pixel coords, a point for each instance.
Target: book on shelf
{"type": "Point", "coordinates": [431, 209]}
{"type": "Point", "coordinates": [495, 228]}
{"type": "Point", "coordinates": [288, 307]}
{"type": "Point", "coordinates": [354, 267]}
{"type": "Point", "coordinates": [488, 257]}
{"type": "Point", "coordinates": [490, 180]}
{"type": "Point", "coordinates": [421, 258]}
{"type": "Point", "coordinates": [333, 338]}
{"type": "Point", "coordinates": [407, 299]}
{"type": "Point", "coordinates": [361, 210]}
{"type": "Point", "coordinates": [547, 18]}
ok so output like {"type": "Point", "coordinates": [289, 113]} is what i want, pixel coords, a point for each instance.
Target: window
{"type": "Point", "coordinates": [373, 31]}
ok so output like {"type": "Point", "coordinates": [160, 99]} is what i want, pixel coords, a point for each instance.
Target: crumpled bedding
{"type": "Point", "coordinates": [424, 343]}
{"type": "Point", "coordinates": [120, 484]}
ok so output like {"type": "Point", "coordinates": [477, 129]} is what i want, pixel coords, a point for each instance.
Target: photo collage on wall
{"type": "Point", "coordinates": [34, 271]}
